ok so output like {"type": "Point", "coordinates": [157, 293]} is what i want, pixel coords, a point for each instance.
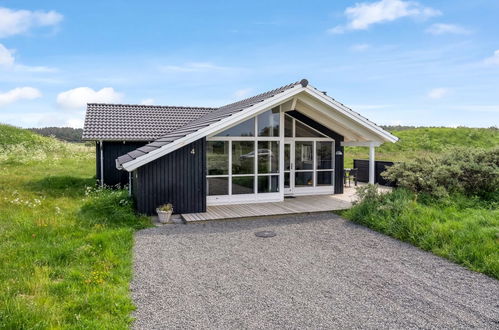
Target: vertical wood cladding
{"type": "Point", "coordinates": [338, 159]}
{"type": "Point", "coordinates": [178, 178]}
{"type": "Point", "coordinates": [111, 151]}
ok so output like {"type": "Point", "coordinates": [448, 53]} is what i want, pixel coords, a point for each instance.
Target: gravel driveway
{"type": "Point", "coordinates": [320, 271]}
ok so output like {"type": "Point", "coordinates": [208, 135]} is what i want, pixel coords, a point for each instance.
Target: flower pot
{"type": "Point", "coordinates": [164, 216]}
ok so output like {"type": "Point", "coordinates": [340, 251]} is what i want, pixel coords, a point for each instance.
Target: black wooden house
{"type": "Point", "coordinates": [284, 142]}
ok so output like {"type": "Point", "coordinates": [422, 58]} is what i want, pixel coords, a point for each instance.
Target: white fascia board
{"type": "Point", "coordinates": [361, 144]}
{"type": "Point", "coordinates": [351, 114]}
{"type": "Point", "coordinates": [219, 125]}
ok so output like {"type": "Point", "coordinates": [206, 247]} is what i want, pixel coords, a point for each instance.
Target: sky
{"type": "Point", "coordinates": [397, 62]}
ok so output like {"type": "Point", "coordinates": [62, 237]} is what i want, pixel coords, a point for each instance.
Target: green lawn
{"type": "Point", "coordinates": [460, 228]}
{"type": "Point", "coordinates": [65, 248]}
{"type": "Point", "coordinates": [422, 141]}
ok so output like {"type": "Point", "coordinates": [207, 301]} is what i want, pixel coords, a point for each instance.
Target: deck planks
{"type": "Point", "coordinates": [301, 204]}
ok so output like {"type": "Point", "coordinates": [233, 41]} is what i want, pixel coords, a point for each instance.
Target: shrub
{"type": "Point", "coordinates": [460, 170]}
{"type": "Point", "coordinates": [112, 208]}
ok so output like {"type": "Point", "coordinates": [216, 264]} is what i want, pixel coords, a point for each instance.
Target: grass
{"type": "Point", "coordinates": [422, 141]}
{"type": "Point", "coordinates": [66, 248]}
{"type": "Point", "coordinates": [462, 229]}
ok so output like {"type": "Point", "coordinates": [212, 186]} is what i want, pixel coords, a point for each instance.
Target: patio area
{"type": "Point", "coordinates": [293, 205]}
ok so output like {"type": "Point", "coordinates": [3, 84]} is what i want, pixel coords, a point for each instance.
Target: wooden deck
{"type": "Point", "coordinates": [300, 204]}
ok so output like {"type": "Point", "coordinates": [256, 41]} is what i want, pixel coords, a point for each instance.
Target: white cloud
{"type": "Point", "coordinates": [78, 98]}
{"type": "Point", "coordinates": [13, 22]}
{"type": "Point", "coordinates": [147, 102]}
{"type": "Point", "coordinates": [74, 122]}
{"type": "Point", "coordinates": [441, 28]}
{"type": "Point", "coordinates": [242, 93]}
{"type": "Point", "coordinates": [193, 67]}
{"type": "Point", "coordinates": [6, 57]}
{"type": "Point", "coordinates": [360, 47]}
{"type": "Point", "coordinates": [8, 61]}
{"type": "Point", "coordinates": [20, 93]}
{"type": "Point", "coordinates": [494, 59]}
{"type": "Point", "coordinates": [364, 14]}
{"type": "Point", "coordinates": [438, 93]}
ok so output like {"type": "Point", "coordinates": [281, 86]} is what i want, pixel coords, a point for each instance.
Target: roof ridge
{"type": "Point", "coordinates": [152, 106]}
{"type": "Point", "coordinates": [261, 94]}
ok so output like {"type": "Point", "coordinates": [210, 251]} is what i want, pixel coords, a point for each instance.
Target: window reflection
{"type": "Point", "coordinates": [242, 185]}
{"type": "Point", "coordinates": [268, 123]}
{"type": "Point", "coordinates": [246, 128]}
{"type": "Point", "coordinates": [304, 154]}
{"type": "Point", "coordinates": [288, 126]}
{"type": "Point", "coordinates": [268, 157]}
{"type": "Point", "coordinates": [217, 186]}
{"type": "Point", "coordinates": [243, 157]}
{"type": "Point", "coordinates": [302, 130]}
{"type": "Point", "coordinates": [217, 157]}
{"type": "Point", "coordinates": [324, 155]}
{"type": "Point", "coordinates": [268, 183]}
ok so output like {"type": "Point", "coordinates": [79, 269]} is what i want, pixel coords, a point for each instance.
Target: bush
{"type": "Point", "coordinates": [111, 208]}
{"type": "Point", "coordinates": [461, 170]}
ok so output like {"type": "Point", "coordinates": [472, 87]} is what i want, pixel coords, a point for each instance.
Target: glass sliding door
{"type": "Point", "coordinates": [304, 163]}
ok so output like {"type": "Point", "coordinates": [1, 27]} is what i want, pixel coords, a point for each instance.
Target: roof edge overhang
{"type": "Point", "coordinates": [348, 112]}
{"type": "Point", "coordinates": [384, 136]}
{"type": "Point", "coordinates": [219, 125]}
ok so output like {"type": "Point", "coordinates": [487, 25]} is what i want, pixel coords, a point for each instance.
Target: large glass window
{"type": "Point", "coordinates": [324, 178]}
{"type": "Point", "coordinates": [268, 123]}
{"type": "Point", "coordinates": [288, 126]}
{"type": "Point", "coordinates": [302, 130]}
{"type": "Point", "coordinates": [243, 185]}
{"type": "Point", "coordinates": [268, 157]}
{"type": "Point", "coordinates": [217, 157]}
{"type": "Point", "coordinates": [243, 157]}
{"type": "Point", "coordinates": [268, 183]}
{"type": "Point", "coordinates": [246, 128]}
{"type": "Point", "coordinates": [324, 155]}
{"type": "Point", "coordinates": [218, 186]}
{"type": "Point", "coordinates": [304, 179]}
{"type": "Point", "coordinates": [304, 155]}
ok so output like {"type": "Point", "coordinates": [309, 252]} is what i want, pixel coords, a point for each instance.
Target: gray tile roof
{"type": "Point", "coordinates": [136, 122]}
{"type": "Point", "coordinates": [204, 121]}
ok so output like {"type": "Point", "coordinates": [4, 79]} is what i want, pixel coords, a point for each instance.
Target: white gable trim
{"type": "Point", "coordinates": [251, 111]}
{"type": "Point", "coordinates": [215, 127]}
{"type": "Point", "coordinates": [351, 114]}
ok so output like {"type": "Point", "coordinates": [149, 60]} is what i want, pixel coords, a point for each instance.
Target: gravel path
{"type": "Point", "coordinates": [320, 271]}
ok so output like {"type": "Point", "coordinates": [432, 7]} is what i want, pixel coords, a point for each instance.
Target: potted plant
{"type": "Point", "coordinates": [165, 212]}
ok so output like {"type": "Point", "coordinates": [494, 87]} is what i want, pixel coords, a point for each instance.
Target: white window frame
{"type": "Point", "coordinates": [293, 190]}
{"type": "Point", "coordinates": [255, 196]}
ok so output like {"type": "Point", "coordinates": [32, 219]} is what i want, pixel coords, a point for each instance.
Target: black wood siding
{"type": "Point", "coordinates": [111, 151]}
{"type": "Point", "coordinates": [379, 167]}
{"type": "Point", "coordinates": [338, 159]}
{"type": "Point", "coordinates": [178, 178]}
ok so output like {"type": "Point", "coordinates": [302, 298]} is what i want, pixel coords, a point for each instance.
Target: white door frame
{"type": "Point", "coordinates": [290, 190]}
{"type": "Point", "coordinates": [314, 189]}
